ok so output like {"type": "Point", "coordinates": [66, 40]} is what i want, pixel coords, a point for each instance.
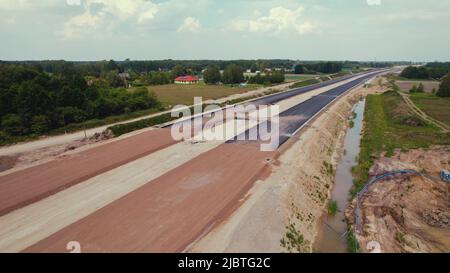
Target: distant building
{"type": "Point", "coordinates": [187, 80]}
{"type": "Point", "coordinates": [124, 76]}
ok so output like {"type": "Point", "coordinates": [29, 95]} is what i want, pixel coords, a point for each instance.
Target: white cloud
{"type": "Point", "coordinates": [278, 20]}
{"type": "Point", "coordinates": [374, 2]}
{"type": "Point", "coordinates": [190, 24]}
{"type": "Point", "coordinates": [9, 5]}
{"type": "Point", "coordinates": [103, 15]}
{"type": "Point", "coordinates": [21, 5]}
{"type": "Point", "coordinates": [414, 15]}
{"type": "Point", "coordinates": [81, 25]}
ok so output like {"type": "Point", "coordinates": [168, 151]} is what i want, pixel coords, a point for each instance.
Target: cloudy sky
{"type": "Point", "coordinates": [413, 30]}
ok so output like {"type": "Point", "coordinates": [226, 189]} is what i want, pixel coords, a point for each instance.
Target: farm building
{"type": "Point", "coordinates": [186, 80]}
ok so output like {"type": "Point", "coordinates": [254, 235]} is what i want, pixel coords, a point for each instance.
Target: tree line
{"type": "Point", "coordinates": [321, 67]}
{"type": "Point", "coordinates": [434, 71]}
{"type": "Point", "coordinates": [97, 68]}
{"type": "Point", "coordinates": [129, 72]}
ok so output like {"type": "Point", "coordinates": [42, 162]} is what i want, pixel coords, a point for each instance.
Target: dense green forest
{"type": "Point", "coordinates": [35, 102]}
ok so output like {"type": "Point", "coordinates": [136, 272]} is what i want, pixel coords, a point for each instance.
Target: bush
{"type": "Point", "coordinates": [417, 89]}
{"type": "Point", "coordinates": [351, 124]}
{"type": "Point", "coordinates": [4, 137]}
{"type": "Point", "coordinates": [332, 207]}
{"type": "Point", "coordinates": [12, 124]}
{"type": "Point", "coordinates": [412, 72]}
{"type": "Point", "coordinates": [69, 115]}
{"type": "Point", "coordinates": [444, 88]}
{"type": "Point", "coordinates": [352, 243]}
{"type": "Point", "coordinates": [233, 74]}
{"type": "Point", "coordinates": [125, 128]}
{"type": "Point", "coordinates": [420, 88]}
{"type": "Point", "coordinates": [299, 69]}
{"type": "Point", "coordinates": [212, 75]}
{"type": "Point", "coordinates": [40, 124]}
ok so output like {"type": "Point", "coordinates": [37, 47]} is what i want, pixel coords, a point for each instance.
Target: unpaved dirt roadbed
{"type": "Point", "coordinates": [172, 211]}
{"type": "Point", "coordinates": [30, 185]}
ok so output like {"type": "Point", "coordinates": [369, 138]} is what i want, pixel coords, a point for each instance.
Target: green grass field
{"type": "Point", "coordinates": [304, 83]}
{"type": "Point", "coordinates": [174, 94]}
{"type": "Point", "coordinates": [434, 106]}
{"type": "Point", "coordinates": [390, 125]}
{"type": "Point", "coordinates": [298, 77]}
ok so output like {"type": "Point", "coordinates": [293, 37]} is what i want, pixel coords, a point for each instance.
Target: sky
{"type": "Point", "coordinates": [360, 30]}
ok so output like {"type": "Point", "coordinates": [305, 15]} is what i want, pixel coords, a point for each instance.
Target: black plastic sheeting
{"type": "Point", "coordinates": [294, 118]}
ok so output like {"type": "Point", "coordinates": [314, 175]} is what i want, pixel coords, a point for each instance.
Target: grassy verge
{"type": "Point", "coordinates": [390, 125]}
{"type": "Point", "coordinates": [298, 77]}
{"type": "Point", "coordinates": [434, 106]}
{"type": "Point", "coordinates": [340, 74]}
{"type": "Point", "coordinates": [352, 243]}
{"type": "Point", "coordinates": [304, 83]}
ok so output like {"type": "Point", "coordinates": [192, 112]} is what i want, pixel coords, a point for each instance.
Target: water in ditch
{"type": "Point", "coordinates": [332, 236]}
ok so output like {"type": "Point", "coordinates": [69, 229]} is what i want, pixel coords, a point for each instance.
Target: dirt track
{"type": "Point", "coordinates": [186, 199]}
{"type": "Point", "coordinates": [30, 185]}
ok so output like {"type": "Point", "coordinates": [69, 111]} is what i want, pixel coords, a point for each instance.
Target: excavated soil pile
{"type": "Point", "coordinates": [407, 214]}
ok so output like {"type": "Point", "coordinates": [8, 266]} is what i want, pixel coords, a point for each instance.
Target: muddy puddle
{"type": "Point", "coordinates": [332, 235]}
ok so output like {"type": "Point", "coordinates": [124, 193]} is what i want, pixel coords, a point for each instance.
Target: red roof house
{"type": "Point", "coordinates": [186, 80]}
